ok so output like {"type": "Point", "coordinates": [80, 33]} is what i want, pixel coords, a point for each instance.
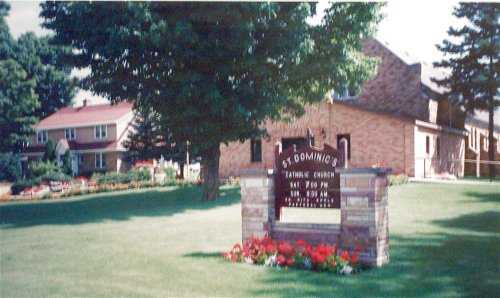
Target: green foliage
{"type": "Point", "coordinates": [18, 102]}
{"type": "Point", "coordinates": [33, 83]}
{"type": "Point", "coordinates": [50, 151]}
{"type": "Point", "coordinates": [169, 174]}
{"type": "Point", "coordinates": [42, 62]}
{"type": "Point", "coordinates": [139, 175]}
{"type": "Point", "coordinates": [66, 163]}
{"type": "Point", "coordinates": [38, 169]}
{"type": "Point", "coordinates": [230, 66]}
{"type": "Point", "coordinates": [10, 167]}
{"type": "Point", "coordinates": [146, 140]}
{"type": "Point", "coordinates": [55, 176]}
{"type": "Point", "coordinates": [398, 179]}
{"type": "Point", "coordinates": [121, 178]}
{"type": "Point", "coordinates": [472, 55]}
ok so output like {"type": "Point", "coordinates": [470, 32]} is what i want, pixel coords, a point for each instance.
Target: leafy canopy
{"type": "Point", "coordinates": [33, 83]}
{"type": "Point", "coordinates": [214, 71]}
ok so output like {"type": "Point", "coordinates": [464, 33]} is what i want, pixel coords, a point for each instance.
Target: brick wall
{"type": "Point", "coordinates": [376, 139]}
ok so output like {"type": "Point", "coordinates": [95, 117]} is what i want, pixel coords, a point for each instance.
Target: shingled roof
{"type": "Point", "coordinates": [85, 116]}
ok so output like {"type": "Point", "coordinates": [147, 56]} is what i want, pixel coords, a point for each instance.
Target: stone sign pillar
{"type": "Point", "coordinates": [364, 213]}
{"type": "Point", "coordinates": [257, 202]}
{"type": "Point", "coordinates": [363, 206]}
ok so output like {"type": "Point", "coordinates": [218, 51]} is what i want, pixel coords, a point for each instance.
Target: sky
{"type": "Point", "coordinates": [410, 27]}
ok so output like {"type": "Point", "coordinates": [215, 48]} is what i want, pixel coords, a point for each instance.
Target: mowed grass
{"type": "Point", "coordinates": [445, 242]}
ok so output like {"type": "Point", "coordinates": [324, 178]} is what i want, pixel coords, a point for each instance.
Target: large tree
{"type": "Point", "coordinates": [18, 100]}
{"type": "Point", "coordinates": [54, 86]}
{"type": "Point", "coordinates": [472, 55]}
{"type": "Point", "coordinates": [33, 83]}
{"type": "Point", "coordinates": [215, 71]}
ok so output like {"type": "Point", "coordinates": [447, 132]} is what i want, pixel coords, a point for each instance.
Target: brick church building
{"type": "Point", "coordinates": [396, 121]}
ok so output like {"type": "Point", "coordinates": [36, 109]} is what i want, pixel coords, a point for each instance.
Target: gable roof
{"type": "Point", "coordinates": [427, 71]}
{"type": "Point", "coordinates": [85, 116]}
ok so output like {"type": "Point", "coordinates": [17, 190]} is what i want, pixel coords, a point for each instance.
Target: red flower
{"type": "Point", "coordinates": [354, 257]}
{"type": "Point", "coordinates": [309, 250]}
{"type": "Point", "coordinates": [317, 258]}
{"type": "Point", "coordinates": [325, 250]}
{"type": "Point", "coordinates": [345, 255]}
{"type": "Point", "coordinates": [290, 262]}
{"type": "Point", "coordinates": [271, 248]}
{"type": "Point", "coordinates": [286, 249]}
{"type": "Point", "coordinates": [281, 260]}
{"type": "Point", "coordinates": [301, 243]}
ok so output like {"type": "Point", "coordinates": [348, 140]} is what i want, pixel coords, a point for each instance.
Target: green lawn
{"type": "Point", "coordinates": [445, 242]}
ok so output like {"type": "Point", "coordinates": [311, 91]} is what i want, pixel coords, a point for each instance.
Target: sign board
{"type": "Point", "coordinates": [306, 178]}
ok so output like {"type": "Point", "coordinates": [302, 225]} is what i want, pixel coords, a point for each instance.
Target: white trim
{"type": "Point", "coordinates": [101, 137]}
{"type": "Point", "coordinates": [62, 126]}
{"type": "Point", "coordinates": [70, 129]}
{"type": "Point", "coordinates": [441, 128]}
{"type": "Point", "coordinates": [102, 160]}
{"type": "Point", "coordinates": [45, 136]}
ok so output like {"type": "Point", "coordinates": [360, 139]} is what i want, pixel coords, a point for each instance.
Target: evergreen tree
{"type": "Point", "coordinates": [215, 72]}
{"type": "Point", "coordinates": [472, 54]}
{"type": "Point", "coordinates": [146, 140]}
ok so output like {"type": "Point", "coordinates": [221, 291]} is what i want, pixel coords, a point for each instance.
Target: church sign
{"type": "Point", "coordinates": [306, 178]}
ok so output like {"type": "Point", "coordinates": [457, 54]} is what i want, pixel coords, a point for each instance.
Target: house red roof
{"type": "Point", "coordinates": [85, 115]}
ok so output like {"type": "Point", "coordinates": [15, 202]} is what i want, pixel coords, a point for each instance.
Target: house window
{"type": "Point", "coordinates": [438, 146]}
{"type": "Point", "coordinates": [256, 150]}
{"type": "Point", "coordinates": [290, 142]}
{"type": "Point", "coordinates": [427, 144]}
{"type": "Point", "coordinates": [42, 137]}
{"type": "Point", "coordinates": [70, 134]}
{"type": "Point", "coordinates": [80, 159]}
{"type": "Point", "coordinates": [100, 160]}
{"type": "Point", "coordinates": [101, 131]}
{"type": "Point", "coordinates": [347, 137]}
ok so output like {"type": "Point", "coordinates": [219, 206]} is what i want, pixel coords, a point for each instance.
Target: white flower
{"type": "Point", "coordinates": [307, 263]}
{"type": "Point", "coordinates": [271, 261]}
{"type": "Point", "coordinates": [248, 260]}
{"type": "Point", "coordinates": [346, 270]}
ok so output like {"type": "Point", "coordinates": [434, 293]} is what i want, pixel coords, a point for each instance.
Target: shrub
{"type": "Point", "coordinates": [55, 176]}
{"type": "Point", "coordinates": [398, 179]}
{"type": "Point", "coordinates": [137, 175]}
{"type": "Point", "coordinates": [170, 176]}
{"type": "Point", "coordinates": [42, 168]}
{"type": "Point", "coordinates": [20, 185]}
{"type": "Point", "coordinates": [10, 166]}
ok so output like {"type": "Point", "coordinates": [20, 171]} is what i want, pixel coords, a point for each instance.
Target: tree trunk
{"type": "Point", "coordinates": [491, 141]}
{"type": "Point", "coordinates": [210, 172]}
{"type": "Point", "coordinates": [181, 168]}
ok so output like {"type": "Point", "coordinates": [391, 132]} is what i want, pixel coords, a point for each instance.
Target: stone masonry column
{"type": "Point", "coordinates": [257, 202]}
{"type": "Point", "coordinates": [364, 213]}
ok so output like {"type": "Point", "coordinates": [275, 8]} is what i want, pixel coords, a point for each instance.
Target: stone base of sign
{"type": "Point", "coordinates": [364, 214]}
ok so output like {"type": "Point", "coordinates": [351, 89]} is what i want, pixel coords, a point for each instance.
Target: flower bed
{"type": "Point", "coordinates": [302, 255]}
